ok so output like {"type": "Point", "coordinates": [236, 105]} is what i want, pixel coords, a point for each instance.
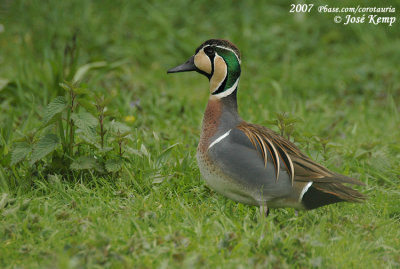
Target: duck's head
{"type": "Point", "coordinates": [219, 60]}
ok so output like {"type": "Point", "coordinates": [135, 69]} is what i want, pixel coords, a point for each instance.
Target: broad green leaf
{"type": "Point", "coordinates": [292, 120]}
{"type": "Point", "coordinates": [3, 83]}
{"type": "Point", "coordinates": [82, 70]}
{"type": "Point", "coordinates": [103, 102]}
{"type": "Point", "coordinates": [110, 112]}
{"type": "Point", "coordinates": [44, 146]}
{"type": "Point", "coordinates": [273, 122]}
{"type": "Point", "coordinates": [65, 86]}
{"type": "Point", "coordinates": [133, 151]}
{"type": "Point", "coordinates": [105, 149]}
{"type": "Point", "coordinates": [82, 90]}
{"type": "Point", "coordinates": [86, 122]}
{"type": "Point", "coordinates": [122, 135]}
{"type": "Point", "coordinates": [118, 127]}
{"type": "Point", "coordinates": [90, 140]}
{"type": "Point", "coordinates": [20, 152]}
{"type": "Point", "coordinates": [84, 163]}
{"type": "Point", "coordinates": [113, 165]}
{"type": "Point", "coordinates": [54, 108]}
{"type": "Point", "coordinates": [54, 179]}
{"type": "Point", "coordinates": [88, 106]}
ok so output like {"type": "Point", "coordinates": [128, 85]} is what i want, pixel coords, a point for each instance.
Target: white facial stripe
{"type": "Point", "coordinates": [305, 189]}
{"type": "Point", "coordinates": [225, 70]}
{"type": "Point", "coordinates": [228, 91]}
{"type": "Point", "coordinates": [237, 57]}
{"type": "Point", "coordinates": [220, 73]}
{"type": "Point", "coordinates": [219, 138]}
{"type": "Point", "coordinates": [226, 48]}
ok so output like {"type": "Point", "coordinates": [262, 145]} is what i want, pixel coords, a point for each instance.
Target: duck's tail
{"type": "Point", "coordinates": [326, 191]}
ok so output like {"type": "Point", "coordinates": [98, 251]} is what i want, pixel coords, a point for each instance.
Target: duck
{"type": "Point", "coordinates": [250, 163]}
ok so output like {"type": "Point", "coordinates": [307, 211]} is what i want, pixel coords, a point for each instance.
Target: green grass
{"type": "Point", "coordinates": [343, 82]}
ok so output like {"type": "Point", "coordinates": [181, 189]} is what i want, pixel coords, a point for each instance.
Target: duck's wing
{"type": "Point", "coordinates": [299, 167]}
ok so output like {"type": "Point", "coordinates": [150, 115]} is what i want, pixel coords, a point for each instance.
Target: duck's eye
{"type": "Point", "coordinates": [209, 50]}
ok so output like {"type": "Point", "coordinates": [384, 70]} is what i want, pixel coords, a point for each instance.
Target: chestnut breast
{"type": "Point", "coordinates": [211, 122]}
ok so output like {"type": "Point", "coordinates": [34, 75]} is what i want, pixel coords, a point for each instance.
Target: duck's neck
{"type": "Point", "coordinates": [220, 116]}
{"type": "Point", "coordinates": [229, 103]}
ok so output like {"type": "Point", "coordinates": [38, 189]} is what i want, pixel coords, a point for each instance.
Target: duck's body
{"type": "Point", "coordinates": [249, 163]}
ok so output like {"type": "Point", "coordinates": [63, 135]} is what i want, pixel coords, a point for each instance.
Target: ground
{"type": "Point", "coordinates": [340, 82]}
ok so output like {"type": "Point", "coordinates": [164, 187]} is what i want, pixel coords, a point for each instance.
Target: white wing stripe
{"type": "Point", "coordinates": [305, 189]}
{"type": "Point", "coordinates": [219, 139]}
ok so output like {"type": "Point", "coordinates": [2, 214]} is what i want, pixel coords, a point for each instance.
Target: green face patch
{"type": "Point", "coordinates": [233, 66]}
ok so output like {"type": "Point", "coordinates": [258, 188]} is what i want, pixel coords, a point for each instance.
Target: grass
{"type": "Point", "coordinates": [341, 81]}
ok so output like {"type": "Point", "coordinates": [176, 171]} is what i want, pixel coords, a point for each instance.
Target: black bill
{"type": "Point", "coordinates": [188, 66]}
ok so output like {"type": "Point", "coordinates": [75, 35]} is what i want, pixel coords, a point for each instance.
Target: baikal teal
{"type": "Point", "coordinates": [249, 163]}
